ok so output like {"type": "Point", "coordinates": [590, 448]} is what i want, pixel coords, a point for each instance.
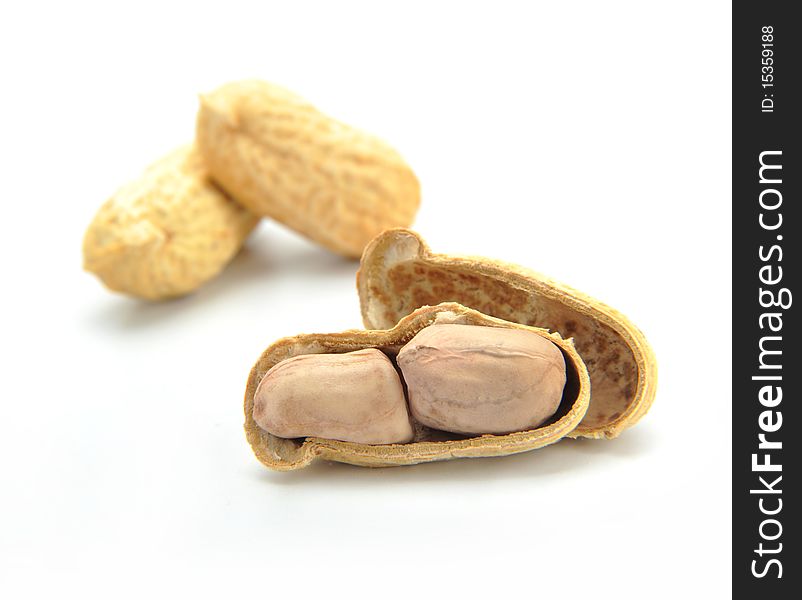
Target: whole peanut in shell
{"type": "Point", "coordinates": [478, 380]}
{"type": "Point", "coordinates": [282, 158]}
{"type": "Point", "coordinates": [353, 397]}
{"type": "Point", "coordinates": [166, 233]}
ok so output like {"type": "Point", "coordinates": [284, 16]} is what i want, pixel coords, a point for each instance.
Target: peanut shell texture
{"type": "Point", "coordinates": [167, 233]}
{"type": "Point", "coordinates": [282, 158]}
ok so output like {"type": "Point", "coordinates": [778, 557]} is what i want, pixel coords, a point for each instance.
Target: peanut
{"type": "Point", "coordinates": [282, 158]}
{"type": "Point", "coordinates": [355, 397]}
{"type": "Point", "coordinates": [284, 453]}
{"type": "Point", "coordinates": [476, 380]}
{"type": "Point", "coordinates": [166, 233]}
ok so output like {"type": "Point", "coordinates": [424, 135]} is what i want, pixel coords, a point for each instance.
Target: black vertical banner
{"type": "Point", "coordinates": [767, 183]}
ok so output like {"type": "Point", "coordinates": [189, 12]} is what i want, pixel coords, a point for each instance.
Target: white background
{"type": "Point", "coordinates": [587, 140]}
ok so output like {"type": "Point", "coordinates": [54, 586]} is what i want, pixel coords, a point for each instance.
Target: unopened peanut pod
{"type": "Point", "coordinates": [282, 158]}
{"type": "Point", "coordinates": [399, 273]}
{"type": "Point", "coordinates": [166, 233]}
{"type": "Point", "coordinates": [428, 444]}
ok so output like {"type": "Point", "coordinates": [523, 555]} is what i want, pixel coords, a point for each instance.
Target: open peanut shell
{"type": "Point", "coordinates": [428, 444]}
{"type": "Point", "coordinates": [399, 273]}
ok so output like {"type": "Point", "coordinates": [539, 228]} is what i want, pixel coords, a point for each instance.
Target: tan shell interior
{"type": "Point", "coordinates": [399, 274]}
{"type": "Point", "coordinates": [429, 444]}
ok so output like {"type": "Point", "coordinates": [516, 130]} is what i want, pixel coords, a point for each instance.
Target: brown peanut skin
{"type": "Point", "coordinates": [282, 158]}
{"type": "Point", "coordinates": [478, 380]}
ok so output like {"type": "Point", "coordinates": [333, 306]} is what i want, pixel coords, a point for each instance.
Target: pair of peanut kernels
{"type": "Point", "coordinates": [460, 378]}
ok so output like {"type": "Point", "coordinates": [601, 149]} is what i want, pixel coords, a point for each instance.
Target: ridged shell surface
{"type": "Point", "coordinates": [166, 233]}
{"type": "Point", "coordinates": [282, 158]}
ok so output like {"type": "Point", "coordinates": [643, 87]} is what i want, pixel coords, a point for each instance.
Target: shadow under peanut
{"type": "Point", "coordinates": [566, 456]}
{"type": "Point", "coordinates": [268, 260]}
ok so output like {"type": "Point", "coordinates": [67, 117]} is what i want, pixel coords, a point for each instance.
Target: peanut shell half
{"type": "Point", "coordinates": [428, 444]}
{"type": "Point", "coordinates": [399, 273]}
